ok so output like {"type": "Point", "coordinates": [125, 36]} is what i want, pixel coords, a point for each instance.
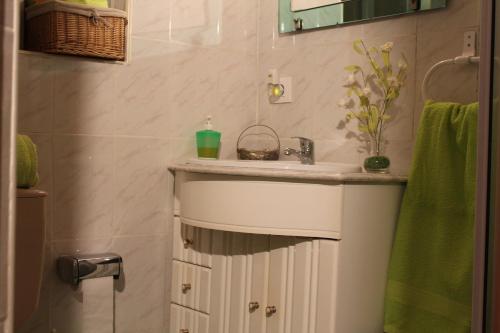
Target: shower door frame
{"type": "Point", "coordinates": [486, 297]}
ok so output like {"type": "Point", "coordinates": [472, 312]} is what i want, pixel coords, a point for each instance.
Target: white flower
{"type": "Point", "coordinates": [367, 91]}
{"type": "Point", "coordinates": [393, 81]}
{"type": "Point", "coordinates": [350, 80]}
{"type": "Point", "coordinates": [343, 103]}
{"type": "Point", "coordinates": [402, 64]}
{"type": "Point", "coordinates": [387, 47]}
{"type": "Point", "coordinates": [346, 103]}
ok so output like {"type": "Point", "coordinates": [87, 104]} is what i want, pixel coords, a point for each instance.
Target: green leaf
{"type": "Point", "coordinates": [357, 46]}
{"type": "Point", "coordinates": [353, 68]}
{"type": "Point", "coordinates": [364, 101]}
{"type": "Point", "coordinates": [363, 128]}
{"type": "Point", "coordinates": [386, 58]}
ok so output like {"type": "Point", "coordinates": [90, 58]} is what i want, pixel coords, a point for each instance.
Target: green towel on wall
{"type": "Point", "coordinates": [26, 162]}
{"type": "Point", "coordinates": [429, 286]}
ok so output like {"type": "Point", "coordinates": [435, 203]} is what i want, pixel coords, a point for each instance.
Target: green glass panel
{"type": "Point", "coordinates": [349, 12]}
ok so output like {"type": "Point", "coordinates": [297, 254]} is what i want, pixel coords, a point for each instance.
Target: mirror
{"type": "Point", "coordinates": [298, 15]}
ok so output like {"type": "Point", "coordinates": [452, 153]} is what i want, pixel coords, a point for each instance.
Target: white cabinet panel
{"type": "Point", "coordinates": [259, 283]}
{"type": "Point", "coordinates": [191, 286]}
{"type": "Point", "coordinates": [327, 278]}
{"type": "Point", "coordinates": [277, 289]}
{"type": "Point", "coordinates": [219, 282]}
{"type": "Point", "coordinates": [237, 272]}
{"type": "Point", "coordinates": [193, 245]}
{"type": "Point", "coordinates": [184, 320]}
{"type": "Point", "coordinates": [301, 294]}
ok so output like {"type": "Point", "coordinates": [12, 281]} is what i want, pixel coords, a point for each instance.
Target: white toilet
{"type": "Point", "coordinates": [30, 240]}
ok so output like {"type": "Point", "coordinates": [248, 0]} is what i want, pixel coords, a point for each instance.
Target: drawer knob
{"type": "Point", "coordinates": [183, 330]}
{"type": "Point", "coordinates": [187, 242]}
{"type": "Point", "coordinates": [270, 310]}
{"type": "Point", "coordinates": [186, 287]}
{"type": "Point", "coordinates": [252, 306]}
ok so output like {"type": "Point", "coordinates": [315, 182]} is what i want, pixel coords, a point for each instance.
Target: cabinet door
{"type": "Point", "coordinates": [193, 245]}
{"type": "Point", "coordinates": [191, 286]}
{"type": "Point", "coordinates": [237, 290]}
{"type": "Point", "coordinates": [259, 247]}
{"type": "Point", "coordinates": [276, 309]}
{"type": "Point", "coordinates": [184, 320]}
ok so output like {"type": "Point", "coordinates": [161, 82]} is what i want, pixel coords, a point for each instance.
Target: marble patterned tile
{"type": "Point", "coordinates": [192, 89]}
{"type": "Point", "coordinates": [455, 83]}
{"type": "Point", "coordinates": [196, 22]}
{"type": "Point", "coordinates": [35, 94]}
{"type": "Point", "coordinates": [239, 26]}
{"type": "Point", "coordinates": [140, 303]}
{"type": "Point", "coordinates": [457, 14]}
{"type": "Point", "coordinates": [88, 307]}
{"type": "Point", "coordinates": [83, 187]}
{"type": "Point", "coordinates": [269, 36]}
{"type": "Point", "coordinates": [340, 151]}
{"type": "Point", "coordinates": [141, 187]}
{"type": "Point", "coordinates": [141, 100]}
{"type": "Point", "coordinates": [44, 144]}
{"type": "Point", "coordinates": [84, 98]}
{"type": "Point", "coordinates": [296, 118]}
{"type": "Point", "coordinates": [151, 18]}
{"type": "Point", "coordinates": [391, 27]}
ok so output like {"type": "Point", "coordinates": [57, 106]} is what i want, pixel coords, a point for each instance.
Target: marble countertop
{"type": "Point", "coordinates": [361, 177]}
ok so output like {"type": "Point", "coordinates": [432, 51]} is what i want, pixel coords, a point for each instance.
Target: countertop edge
{"type": "Point", "coordinates": [291, 174]}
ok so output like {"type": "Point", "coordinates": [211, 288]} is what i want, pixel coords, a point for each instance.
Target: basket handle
{"type": "Point", "coordinates": [258, 125]}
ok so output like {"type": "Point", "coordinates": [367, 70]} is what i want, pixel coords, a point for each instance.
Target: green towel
{"type": "Point", "coordinates": [91, 3]}
{"type": "Point", "coordinates": [429, 286]}
{"type": "Point", "coordinates": [26, 162]}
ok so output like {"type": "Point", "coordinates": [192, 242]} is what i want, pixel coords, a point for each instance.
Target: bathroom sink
{"type": "Point", "coordinates": [282, 165]}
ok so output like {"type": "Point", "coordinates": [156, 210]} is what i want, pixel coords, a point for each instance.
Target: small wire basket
{"type": "Point", "coordinates": [258, 142]}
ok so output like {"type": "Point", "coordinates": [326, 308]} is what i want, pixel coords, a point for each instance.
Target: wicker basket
{"type": "Point", "coordinates": [72, 29]}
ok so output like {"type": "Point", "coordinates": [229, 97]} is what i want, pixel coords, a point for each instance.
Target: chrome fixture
{"type": "Point", "coordinates": [306, 153]}
{"type": "Point", "coordinates": [270, 310]}
{"type": "Point", "coordinates": [252, 306]}
{"type": "Point", "coordinates": [187, 242]}
{"type": "Point", "coordinates": [298, 24]}
{"type": "Point", "coordinates": [186, 287]}
{"type": "Point", "coordinates": [74, 268]}
{"type": "Point", "coordinates": [183, 330]}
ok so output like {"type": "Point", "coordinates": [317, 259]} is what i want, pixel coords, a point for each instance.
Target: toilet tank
{"type": "Point", "coordinates": [30, 241]}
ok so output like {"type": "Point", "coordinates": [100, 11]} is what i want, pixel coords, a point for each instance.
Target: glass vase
{"type": "Point", "coordinates": [377, 162]}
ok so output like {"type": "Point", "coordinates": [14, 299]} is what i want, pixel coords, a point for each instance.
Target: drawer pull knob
{"type": "Point", "coordinates": [186, 287]}
{"type": "Point", "coordinates": [252, 306]}
{"type": "Point", "coordinates": [183, 330]}
{"type": "Point", "coordinates": [187, 242]}
{"type": "Point", "coordinates": [270, 310]}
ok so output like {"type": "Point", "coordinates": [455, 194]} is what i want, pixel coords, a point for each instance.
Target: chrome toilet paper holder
{"type": "Point", "coordinates": [74, 268]}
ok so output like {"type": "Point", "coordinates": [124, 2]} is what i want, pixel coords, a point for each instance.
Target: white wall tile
{"type": "Point", "coordinates": [35, 94]}
{"type": "Point", "coordinates": [84, 97]}
{"type": "Point", "coordinates": [141, 188]}
{"type": "Point", "coordinates": [140, 303]}
{"type": "Point", "coordinates": [83, 187]}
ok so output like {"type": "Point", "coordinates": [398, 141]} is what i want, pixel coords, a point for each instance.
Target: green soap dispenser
{"type": "Point", "coordinates": [208, 141]}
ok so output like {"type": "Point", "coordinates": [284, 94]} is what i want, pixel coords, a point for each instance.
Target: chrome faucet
{"type": "Point", "coordinates": [306, 153]}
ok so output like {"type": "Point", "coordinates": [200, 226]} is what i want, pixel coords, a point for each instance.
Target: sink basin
{"type": "Point", "coordinates": [282, 165]}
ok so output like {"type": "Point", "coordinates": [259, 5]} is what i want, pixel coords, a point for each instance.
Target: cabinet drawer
{"type": "Point", "coordinates": [192, 245]}
{"type": "Point", "coordinates": [191, 286]}
{"type": "Point", "coordinates": [184, 320]}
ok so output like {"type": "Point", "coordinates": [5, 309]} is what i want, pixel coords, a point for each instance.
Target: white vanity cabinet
{"type": "Point", "coordinates": [230, 275]}
{"type": "Point", "coordinates": [256, 283]}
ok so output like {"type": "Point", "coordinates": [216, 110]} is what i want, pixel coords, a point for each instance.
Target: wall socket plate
{"type": "Point", "coordinates": [470, 47]}
{"type": "Point", "coordinates": [286, 82]}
